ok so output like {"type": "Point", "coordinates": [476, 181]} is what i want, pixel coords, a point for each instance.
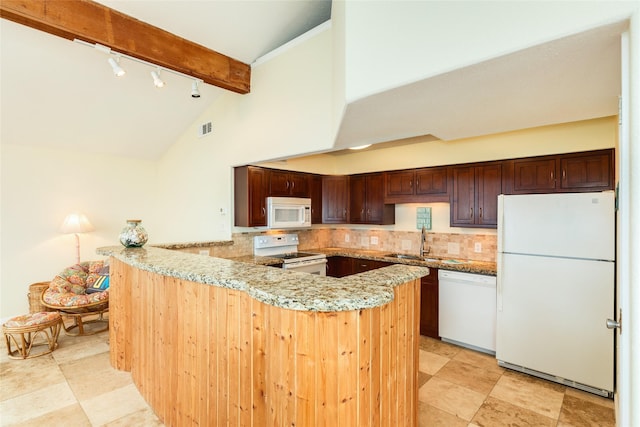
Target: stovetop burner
{"type": "Point", "coordinates": [295, 255]}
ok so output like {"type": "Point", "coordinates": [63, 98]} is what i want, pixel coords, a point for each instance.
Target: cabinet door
{"type": "Point", "coordinates": [316, 199]}
{"type": "Point", "coordinates": [299, 184]}
{"type": "Point", "coordinates": [463, 195]}
{"type": "Point", "coordinates": [250, 196]}
{"type": "Point", "coordinates": [335, 199]}
{"type": "Point", "coordinates": [279, 185]}
{"type": "Point", "coordinates": [377, 212]}
{"type": "Point", "coordinates": [534, 175]}
{"type": "Point", "coordinates": [431, 181]}
{"type": "Point", "coordinates": [429, 304]}
{"type": "Point", "coordinates": [358, 199]}
{"type": "Point", "coordinates": [288, 184]}
{"type": "Point", "coordinates": [399, 183]}
{"type": "Point", "coordinates": [488, 186]}
{"type": "Point", "coordinates": [339, 266]}
{"type": "Point", "coordinates": [581, 172]}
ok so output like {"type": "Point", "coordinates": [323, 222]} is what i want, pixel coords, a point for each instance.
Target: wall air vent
{"type": "Point", "coordinates": [205, 129]}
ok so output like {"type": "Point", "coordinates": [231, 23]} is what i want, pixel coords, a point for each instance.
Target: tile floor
{"type": "Point", "coordinates": [76, 386]}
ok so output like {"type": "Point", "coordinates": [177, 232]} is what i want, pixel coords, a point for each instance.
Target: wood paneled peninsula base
{"type": "Point", "coordinates": [210, 341]}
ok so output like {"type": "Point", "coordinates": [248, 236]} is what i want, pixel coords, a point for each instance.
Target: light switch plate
{"type": "Point", "coordinates": [374, 240]}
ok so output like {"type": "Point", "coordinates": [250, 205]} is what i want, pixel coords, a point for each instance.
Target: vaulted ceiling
{"type": "Point", "coordinates": [61, 94]}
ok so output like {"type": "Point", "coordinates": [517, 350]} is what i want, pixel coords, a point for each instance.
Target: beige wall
{"type": "Point", "coordinates": [39, 188]}
{"type": "Point", "coordinates": [288, 112]}
{"type": "Point", "coordinates": [390, 44]}
{"type": "Point", "coordinates": [563, 138]}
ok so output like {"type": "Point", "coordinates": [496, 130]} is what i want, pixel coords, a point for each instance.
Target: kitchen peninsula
{"type": "Point", "coordinates": [209, 340]}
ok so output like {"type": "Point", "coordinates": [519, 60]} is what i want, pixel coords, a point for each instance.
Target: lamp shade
{"type": "Point", "coordinates": [76, 223]}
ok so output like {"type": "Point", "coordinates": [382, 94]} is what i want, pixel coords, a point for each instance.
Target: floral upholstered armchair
{"type": "Point", "coordinates": [80, 291]}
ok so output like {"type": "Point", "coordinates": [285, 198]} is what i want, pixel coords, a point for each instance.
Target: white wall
{"type": "Point", "coordinates": [39, 188]}
{"type": "Point", "coordinates": [288, 112]}
{"type": "Point", "coordinates": [394, 43]}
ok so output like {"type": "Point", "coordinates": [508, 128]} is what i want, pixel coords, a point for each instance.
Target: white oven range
{"type": "Point", "coordinates": [285, 247]}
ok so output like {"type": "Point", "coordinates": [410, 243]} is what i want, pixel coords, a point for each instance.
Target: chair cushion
{"type": "Point", "coordinates": [69, 287]}
{"type": "Point", "coordinates": [32, 319]}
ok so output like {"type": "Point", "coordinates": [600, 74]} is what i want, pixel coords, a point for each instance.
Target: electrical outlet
{"type": "Point", "coordinates": [374, 240]}
{"type": "Point", "coordinates": [203, 252]}
{"type": "Point", "coordinates": [347, 238]}
{"type": "Point", "coordinates": [477, 247]}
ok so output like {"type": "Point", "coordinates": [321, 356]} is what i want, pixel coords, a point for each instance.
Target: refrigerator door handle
{"type": "Point", "coordinates": [499, 283]}
{"type": "Point", "coordinates": [500, 223]}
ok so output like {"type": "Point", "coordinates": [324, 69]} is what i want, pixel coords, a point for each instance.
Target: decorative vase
{"type": "Point", "coordinates": [133, 235]}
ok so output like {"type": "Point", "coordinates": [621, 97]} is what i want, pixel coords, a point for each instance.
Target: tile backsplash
{"type": "Point", "coordinates": [440, 244]}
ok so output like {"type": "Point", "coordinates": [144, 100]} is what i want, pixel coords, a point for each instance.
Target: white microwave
{"type": "Point", "coordinates": [288, 212]}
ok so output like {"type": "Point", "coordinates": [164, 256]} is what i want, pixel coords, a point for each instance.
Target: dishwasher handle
{"type": "Point", "coordinates": [471, 278]}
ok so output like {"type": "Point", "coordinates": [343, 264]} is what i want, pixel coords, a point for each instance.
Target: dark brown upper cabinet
{"type": "Point", "coordinates": [316, 199]}
{"type": "Point", "coordinates": [366, 195]}
{"type": "Point", "coordinates": [289, 184]}
{"type": "Point", "coordinates": [335, 199]}
{"type": "Point", "coordinates": [565, 173]}
{"type": "Point", "coordinates": [250, 196]}
{"type": "Point", "coordinates": [474, 197]}
{"type": "Point", "coordinates": [416, 185]}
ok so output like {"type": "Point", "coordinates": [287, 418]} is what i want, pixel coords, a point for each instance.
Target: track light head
{"type": "Point", "coordinates": [195, 93]}
{"type": "Point", "coordinates": [156, 78]}
{"type": "Point", "coordinates": [118, 71]}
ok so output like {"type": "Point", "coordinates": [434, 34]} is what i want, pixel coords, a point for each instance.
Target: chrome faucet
{"type": "Point", "coordinates": [424, 250]}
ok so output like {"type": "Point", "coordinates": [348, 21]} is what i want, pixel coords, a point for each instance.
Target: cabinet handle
{"type": "Point", "coordinates": [287, 185]}
{"type": "Point", "coordinates": [564, 174]}
{"type": "Point", "coordinates": [551, 175]}
{"type": "Point", "coordinates": [410, 183]}
{"type": "Point", "coordinates": [480, 212]}
{"type": "Point", "coordinates": [293, 185]}
{"type": "Point", "coordinates": [264, 212]}
{"type": "Point", "coordinates": [471, 212]}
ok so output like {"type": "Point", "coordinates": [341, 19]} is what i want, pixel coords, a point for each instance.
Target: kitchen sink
{"type": "Point", "coordinates": [407, 256]}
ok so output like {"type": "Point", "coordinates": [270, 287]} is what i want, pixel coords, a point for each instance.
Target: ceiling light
{"type": "Point", "coordinates": [117, 69]}
{"type": "Point", "coordinates": [156, 78]}
{"type": "Point", "coordinates": [360, 147]}
{"type": "Point", "coordinates": [195, 93]}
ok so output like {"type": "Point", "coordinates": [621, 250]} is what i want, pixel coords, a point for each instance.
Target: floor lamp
{"type": "Point", "coordinates": [76, 223]}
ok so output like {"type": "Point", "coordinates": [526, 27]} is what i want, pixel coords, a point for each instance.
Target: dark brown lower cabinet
{"type": "Point", "coordinates": [338, 266]}
{"type": "Point", "coordinates": [429, 304]}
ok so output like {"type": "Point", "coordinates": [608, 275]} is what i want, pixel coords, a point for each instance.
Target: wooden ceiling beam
{"type": "Point", "coordinates": [95, 23]}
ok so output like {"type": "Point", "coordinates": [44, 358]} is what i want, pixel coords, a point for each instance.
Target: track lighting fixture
{"type": "Point", "coordinates": [195, 93]}
{"type": "Point", "coordinates": [156, 78]}
{"type": "Point", "coordinates": [117, 69]}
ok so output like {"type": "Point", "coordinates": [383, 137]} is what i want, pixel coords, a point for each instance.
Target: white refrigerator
{"type": "Point", "coordinates": [556, 287]}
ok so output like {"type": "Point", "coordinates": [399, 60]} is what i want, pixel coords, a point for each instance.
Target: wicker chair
{"type": "Point", "coordinates": [67, 293]}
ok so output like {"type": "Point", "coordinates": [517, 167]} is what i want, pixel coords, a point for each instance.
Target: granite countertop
{"type": "Point", "coordinates": [278, 287]}
{"type": "Point", "coordinates": [467, 266]}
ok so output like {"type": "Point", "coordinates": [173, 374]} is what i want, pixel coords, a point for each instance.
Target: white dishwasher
{"type": "Point", "coordinates": [467, 310]}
